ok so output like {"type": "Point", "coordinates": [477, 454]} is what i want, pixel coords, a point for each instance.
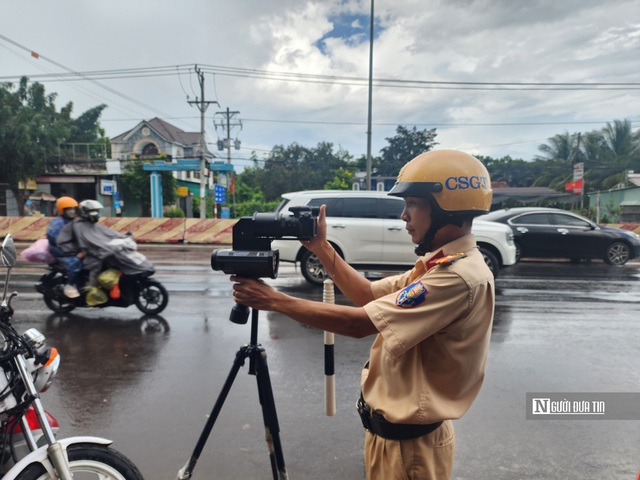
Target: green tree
{"type": "Point", "coordinates": [296, 167]}
{"type": "Point", "coordinates": [607, 154]}
{"type": "Point", "coordinates": [559, 155]}
{"type": "Point", "coordinates": [404, 146]}
{"type": "Point", "coordinates": [31, 129]}
{"type": "Point", "coordinates": [86, 128]}
{"type": "Point", "coordinates": [247, 183]}
{"type": "Point", "coordinates": [621, 152]}
{"type": "Point", "coordinates": [560, 148]}
{"type": "Point", "coordinates": [514, 172]}
{"type": "Point", "coordinates": [342, 180]}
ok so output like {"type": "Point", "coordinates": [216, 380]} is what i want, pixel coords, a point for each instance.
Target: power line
{"type": "Point", "coordinates": [173, 70]}
{"type": "Point", "coordinates": [81, 75]}
{"type": "Point", "coordinates": [176, 70]}
{"type": "Point", "coordinates": [433, 124]}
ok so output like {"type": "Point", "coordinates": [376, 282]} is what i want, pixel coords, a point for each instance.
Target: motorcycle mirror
{"type": "Point", "coordinates": [8, 255]}
{"type": "Point", "coordinates": [8, 252]}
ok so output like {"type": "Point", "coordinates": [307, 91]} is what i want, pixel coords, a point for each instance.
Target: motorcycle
{"type": "Point", "coordinates": [30, 450]}
{"type": "Point", "coordinates": [148, 295]}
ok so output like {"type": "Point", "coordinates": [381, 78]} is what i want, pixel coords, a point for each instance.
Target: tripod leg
{"type": "Point", "coordinates": [269, 414]}
{"type": "Point", "coordinates": [186, 471]}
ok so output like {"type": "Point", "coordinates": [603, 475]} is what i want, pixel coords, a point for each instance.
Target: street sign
{"type": "Point", "coordinates": [220, 194]}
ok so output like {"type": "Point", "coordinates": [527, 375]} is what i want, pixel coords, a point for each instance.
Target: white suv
{"type": "Point", "coordinates": [366, 230]}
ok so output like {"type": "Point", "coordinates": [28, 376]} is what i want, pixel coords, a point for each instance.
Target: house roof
{"type": "Point", "coordinates": [166, 130]}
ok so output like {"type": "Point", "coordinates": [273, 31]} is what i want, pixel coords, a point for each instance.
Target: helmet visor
{"type": "Point", "coordinates": [415, 189]}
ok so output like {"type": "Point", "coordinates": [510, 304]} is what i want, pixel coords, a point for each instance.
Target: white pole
{"type": "Point", "coordinates": [328, 296]}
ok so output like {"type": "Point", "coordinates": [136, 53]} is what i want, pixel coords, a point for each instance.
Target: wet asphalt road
{"type": "Point", "coordinates": [148, 384]}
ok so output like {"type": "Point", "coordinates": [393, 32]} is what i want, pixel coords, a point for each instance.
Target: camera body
{"type": "Point", "coordinates": [251, 255]}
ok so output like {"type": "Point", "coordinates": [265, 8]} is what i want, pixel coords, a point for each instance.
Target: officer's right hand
{"type": "Point", "coordinates": [321, 237]}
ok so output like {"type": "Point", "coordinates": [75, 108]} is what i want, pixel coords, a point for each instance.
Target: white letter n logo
{"type": "Point", "coordinates": [540, 406]}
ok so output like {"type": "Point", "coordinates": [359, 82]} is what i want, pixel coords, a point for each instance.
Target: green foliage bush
{"type": "Point", "coordinates": [175, 213]}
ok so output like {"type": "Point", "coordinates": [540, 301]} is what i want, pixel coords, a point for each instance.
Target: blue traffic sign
{"type": "Point", "coordinates": [220, 194]}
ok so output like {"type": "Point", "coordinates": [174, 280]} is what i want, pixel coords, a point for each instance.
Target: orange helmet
{"type": "Point", "coordinates": [65, 202]}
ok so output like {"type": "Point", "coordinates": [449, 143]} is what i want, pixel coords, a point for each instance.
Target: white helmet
{"type": "Point", "coordinates": [90, 209]}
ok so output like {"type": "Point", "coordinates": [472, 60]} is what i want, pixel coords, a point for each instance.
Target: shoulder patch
{"type": "Point", "coordinates": [412, 295]}
{"type": "Point", "coordinates": [449, 259]}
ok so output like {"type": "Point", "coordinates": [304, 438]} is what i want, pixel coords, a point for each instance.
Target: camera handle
{"type": "Point", "coordinates": [239, 314]}
{"type": "Point", "coordinates": [258, 367]}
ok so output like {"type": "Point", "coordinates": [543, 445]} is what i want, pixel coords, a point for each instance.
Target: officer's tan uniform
{"type": "Point", "coordinates": [428, 361]}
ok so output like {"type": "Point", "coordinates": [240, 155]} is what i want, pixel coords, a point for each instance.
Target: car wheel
{"type": "Point", "coordinates": [312, 269]}
{"type": "Point", "coordinates": [491, 261]}
{"type": "Point", "coordinates": [617, 253]}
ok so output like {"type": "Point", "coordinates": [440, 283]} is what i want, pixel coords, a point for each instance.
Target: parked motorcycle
{"type": "Point", "coordinates": [29, 448]}
{"type": "Point", "coordinates": [148, 295]}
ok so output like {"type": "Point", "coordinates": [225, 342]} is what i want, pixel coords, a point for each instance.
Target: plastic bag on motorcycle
{"type": "Point", "coordinates": [38, 252]}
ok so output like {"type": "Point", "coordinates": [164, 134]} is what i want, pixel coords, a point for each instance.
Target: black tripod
{"type": "Point", "coordinates": [258, 367]}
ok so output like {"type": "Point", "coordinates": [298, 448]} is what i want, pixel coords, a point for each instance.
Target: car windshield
{"type": "Point", "coordinates": [283, 203]}
{"type": "Point", "coordinates": [495, 216]}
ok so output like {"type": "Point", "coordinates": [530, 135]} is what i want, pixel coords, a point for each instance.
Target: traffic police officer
{"type": "Point", "coordinates": [432, 323]}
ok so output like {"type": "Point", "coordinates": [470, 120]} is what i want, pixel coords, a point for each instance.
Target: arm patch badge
{"type": "Point", "coordinates": [412, 295]}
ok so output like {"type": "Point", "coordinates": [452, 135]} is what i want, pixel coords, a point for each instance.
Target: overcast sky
{"type": "Point", "coordinates": [297, 70]}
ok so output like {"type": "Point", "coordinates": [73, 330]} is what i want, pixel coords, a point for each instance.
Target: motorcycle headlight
{"type": "Point", "coordinates": [34, 338]}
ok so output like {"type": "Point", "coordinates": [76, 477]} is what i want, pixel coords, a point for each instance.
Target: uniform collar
{"type": "Point", "coordinates": [463, 244]}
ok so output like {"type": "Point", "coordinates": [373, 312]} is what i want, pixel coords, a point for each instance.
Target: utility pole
{"type": "Point", "coordinates": [370, 98]}
{"type": "Point", "coordinates": [202, 106]}
{"type": "Point", "coordinates": [225, 124]}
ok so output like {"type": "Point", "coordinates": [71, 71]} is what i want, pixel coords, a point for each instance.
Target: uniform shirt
{"type": "Point", "coordinates": [434, 322]}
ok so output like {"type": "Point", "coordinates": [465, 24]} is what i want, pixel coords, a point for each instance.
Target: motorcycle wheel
{"type": "Point", "coordinates": [89, 461]}
{"type": "Point", "coordinates": [57, 302]}
{"type": "Point", "coordinates": [152, 297]}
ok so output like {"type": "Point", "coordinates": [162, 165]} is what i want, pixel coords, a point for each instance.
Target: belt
{"type": "Point", "coordinates": [376, 424]}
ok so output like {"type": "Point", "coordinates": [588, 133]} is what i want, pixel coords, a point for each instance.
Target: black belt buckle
{"type": "Point", "coordinates": [365, 413]}
{"type": "Point", "coordinates": [378, 425]}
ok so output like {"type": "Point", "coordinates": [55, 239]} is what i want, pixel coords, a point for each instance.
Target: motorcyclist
{"type": "Point", "coordinates": [90, 212]}
{"type": "Point", "coordinates": [100, 243]}
{"type": "Point", "coordinates": [71, 257]}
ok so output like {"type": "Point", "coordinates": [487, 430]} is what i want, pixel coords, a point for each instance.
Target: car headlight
{"type": "Point", "coordinates": [633, 235]}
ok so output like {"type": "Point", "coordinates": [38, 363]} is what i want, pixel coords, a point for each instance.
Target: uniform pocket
{"type": "Point", "coordinates": [445, 434]}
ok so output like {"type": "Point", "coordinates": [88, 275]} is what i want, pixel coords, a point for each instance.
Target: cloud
{"type": "Point", "coordinates": [320, 53]}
